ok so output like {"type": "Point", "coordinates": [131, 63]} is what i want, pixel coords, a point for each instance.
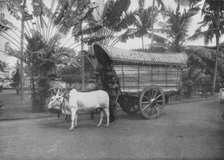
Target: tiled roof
{"type": "Point", "coordinates": [135, 57]}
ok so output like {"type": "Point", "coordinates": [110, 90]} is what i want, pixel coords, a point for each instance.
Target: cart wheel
{"type": "Point", "coordinates": [151, 102]}
{"type": "Point", "coordinates": [128, 104]}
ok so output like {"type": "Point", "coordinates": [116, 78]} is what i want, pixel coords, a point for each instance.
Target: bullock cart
{"type": "Point", "coordinates": [146, 80]}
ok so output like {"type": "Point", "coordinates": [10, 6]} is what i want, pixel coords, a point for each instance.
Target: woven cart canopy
{"type": "Point", "coordinates": [106, 54]}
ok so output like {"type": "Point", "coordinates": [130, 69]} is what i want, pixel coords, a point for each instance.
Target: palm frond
{"type": "Point", "coordinates": [3, 27]}
{"type": "Point", "coordinates": [16, 53]}
{"type": "Point", "coordinates": [193, 3]}
{"type": "Point", "coordinates": [182, 2]}
{"type": "Point", "coordinates": [107, 9]}
{"type": "Point", "coordinates": [47, 11]}
{"type": "Point", "coordinates": [161, 4]}
{"type": "Point", "coordinates": [208, 34]}
{"type": "Point", "coordinates": [7, 24]}
{"type": "Point", "coordinates": [90, 40]}
{"type": "Point", "coordinates": [89, 30]}
{"type": "Point", "coordinates": [115, 12]}
{"type": "Point", "coordinates": [14, 8]}
{"type": "Point", "coordinates": [158, 38]}
{"type": "Point", "coordinates": [55, 40]}
{"type": "Point", "coordinates": [63, 8]}
{"type": "Point", "coordinates": [127, 21]}
{"type": "Point", "coordinates": [64, 52]}
{"type": "Point", "coordinates": [131, 34]}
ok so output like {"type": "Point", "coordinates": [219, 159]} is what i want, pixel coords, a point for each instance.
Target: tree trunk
{"type": "Point", "coordinates": [216, 65]}
{"type": "Point", "coordinates": [21, 50]}
{"type": "Point", "coordinates": [33, 98]}
{"type": "Point", "coordinates": [142, 42]}
{"type": "Point", "coordinates": [217, 36]}
{"type": "Point", "coordinates": [83, 60]}
{"type": "Point", "coordinates": [152, 24]}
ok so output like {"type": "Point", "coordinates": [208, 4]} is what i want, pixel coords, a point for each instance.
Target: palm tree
{"type": "Point", "coordinates": [44, 46]}
{"type": "Point", "coordinates": [33, 23]}
{"type": "Point", "coordinates": [144, 19]}
{"type": "Point", "coordinates": [214, 20]}
{"type": "Point", "coordinates": [114, 19]}
{"type": "Point", "coordinates": [159, 3]}
{"type": "Point", "coordinates": [176, 26]}
{"type": "Point", "coordinates": [42, 58]}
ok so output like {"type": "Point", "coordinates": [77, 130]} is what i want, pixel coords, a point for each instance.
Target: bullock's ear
{"type": "Point", "coordinates": [57, 93]}
{"type": "Point", "coordinates": [61, 93]}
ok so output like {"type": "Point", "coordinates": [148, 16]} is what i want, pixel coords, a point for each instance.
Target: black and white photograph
{"type": "Point", "coordinates": [111, 79]}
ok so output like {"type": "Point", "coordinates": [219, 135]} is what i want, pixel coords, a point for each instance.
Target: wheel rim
{"type": "Point", "coordinates": [151, 102]}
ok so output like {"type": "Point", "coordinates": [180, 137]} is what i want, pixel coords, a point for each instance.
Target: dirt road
{"type": "Point", "coordinates": [184, 131]}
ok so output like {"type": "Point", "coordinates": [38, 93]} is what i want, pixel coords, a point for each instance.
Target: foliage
{"type": "Point", "coordinates": [143, 23]}
{"type": "Point", "coordinates": [71, 73]}
{"type": "Point", "coordinates": [144, 19]}
{"type": "Point", "coordinates": [2, 66]}
{"type": "Point", "coordinates": [211, 27]}
{"type": "Point", "coordinates": [43, 47]}
{"type": "Point", "coordinates": [176, 26]}
{"type": "Point", "coordinates": [3, 26]}
{"type": "Point", "coordinates": [113, 19]}
{"type": "Point", "coordinates": [209, 21]}
{"type": "Point", "coordinates": [42, 57]}
{"type": "Point", "coordinates": [198, 74]}
{"type": "Point", "coordinates": [16, 80]}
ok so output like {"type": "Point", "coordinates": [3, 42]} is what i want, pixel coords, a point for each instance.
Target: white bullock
{"type": "Point", "coordinates": [86, 101]}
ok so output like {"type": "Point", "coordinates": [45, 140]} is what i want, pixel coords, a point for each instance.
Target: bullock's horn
{"type": "Point", "coordinates": [57, 93]}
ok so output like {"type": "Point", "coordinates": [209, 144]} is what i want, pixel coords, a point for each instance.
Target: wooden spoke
{"type": "Point", "coordinates": [149, 110]}
{"type": "Point", "coordinates": [152, 93]}
{"type": "Point", "coordinates": [146, 106]}
{"type": "Point", "coordinates": [159, 101]}
{"type": "Point", "coordinates": [149, 93]}
{"type": "Point", "coordinates": [146, 98]}
{"type": "Point", "coordinates": [145, 102]}
{"type": "Point", "coordinates": [158, 105]}
{"type": "Point", "coordinates": [158, 96]}
{"type": "Point", "coordinates": [155, 109]}
{"type": "Point", "coordinates": [155, 94]}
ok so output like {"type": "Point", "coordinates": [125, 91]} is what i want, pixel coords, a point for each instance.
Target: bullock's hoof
{"type": "Point", "coordinates": [112, 123]}
{"type": "Point", "coordinates": [71, 128]}
{"type": "Point", "coordinates": [98, 125]}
